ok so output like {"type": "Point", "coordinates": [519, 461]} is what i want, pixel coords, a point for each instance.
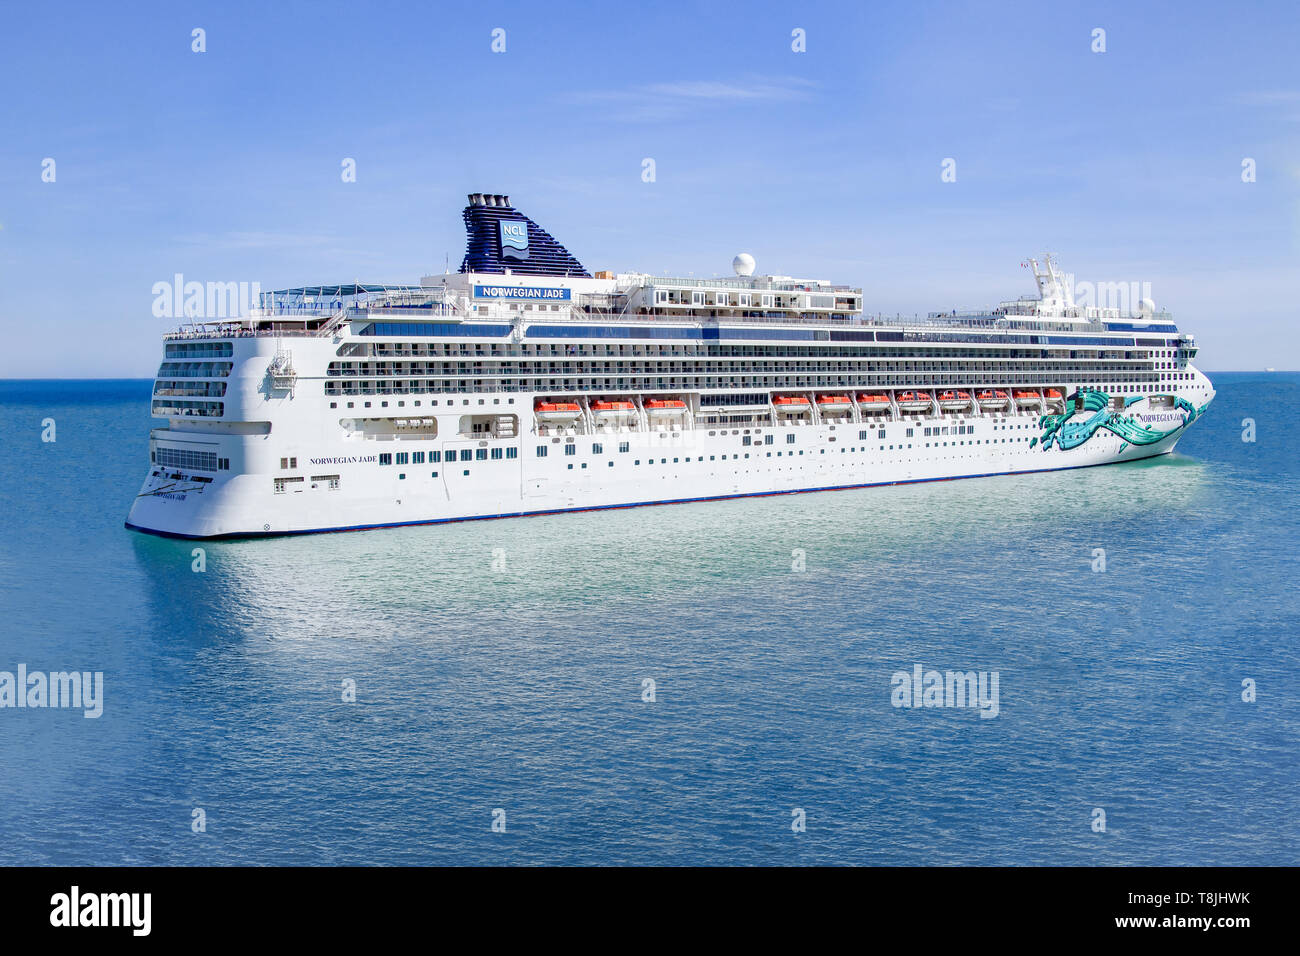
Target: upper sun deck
{"type": "Point", "coordinates": [471, 298]}
{"type": "Point", "coordinates": [515, 273]}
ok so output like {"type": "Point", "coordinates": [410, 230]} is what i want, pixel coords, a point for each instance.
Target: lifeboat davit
{"type": "Point", "coordinates": [1026, 398]}
{"type": "Point", "coordinates": [873, 402]}
{"type": "Point", "coordinates": [954, 399]}
{"type": "Point", "coordinates": [833, 404]}
{"type": "Point", "coordinates": [605, 411]}
{"type": "Point", "coordinates": [664, 407]}
{"type": "Point", "coordinates": [790, 403]}
{"type": "Point", "coordinates": [992, 398]}
{"type": "Point", "coordinates": [915, 401]}
{"type": "Point", "coordinates": [560, 413]}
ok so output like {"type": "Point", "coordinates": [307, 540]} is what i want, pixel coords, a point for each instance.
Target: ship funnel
{"type": "Point", "coordinates": [502, 240]}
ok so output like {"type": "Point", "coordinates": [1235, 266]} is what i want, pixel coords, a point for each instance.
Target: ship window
{"type": "Point", "coordinates": [496, 454]}
{"type": "Point", "coordinates": [768, 439]}
{"type": "Point", "coordinates": [745, 440]}
{"type": "Point", "coordinates": [403, 458]}
{"type": "Point", "coordinates": [570, 449]}
{"type": "Point", "coordinates": [512, 452]}
{"type": "Point", "coordinates": [433, 474]}
{"type": "Point", "coordinates": [480, 454]}
{"type": "Point", "coordinates": [541, 451]}
{"type": "Point", "coordinates": [435, 456]}
{"type": "Point", "coordinates": [386, 458]}
{"type": "Point", "coordinates": [789, 439]}
{"type": "Point", "coordinates": [466, 454]}
{"type": "Point", "coordinates": [624, 446]}
{"type": "Point", "coordinates": [597, 448]}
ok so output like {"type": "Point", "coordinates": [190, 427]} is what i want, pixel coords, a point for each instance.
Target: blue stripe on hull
{"type": "Point", "coordinates": [630, 504]}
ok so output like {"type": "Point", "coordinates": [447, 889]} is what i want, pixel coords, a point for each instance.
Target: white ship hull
{"type": "Point", "coordinates": [707, 463]}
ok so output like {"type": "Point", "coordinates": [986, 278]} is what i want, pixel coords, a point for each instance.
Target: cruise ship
{"type": "Point", "coordinates": [523, 384]}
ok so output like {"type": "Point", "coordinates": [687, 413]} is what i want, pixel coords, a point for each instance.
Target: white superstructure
{"type": "Point", "coordinates": [523, 385]}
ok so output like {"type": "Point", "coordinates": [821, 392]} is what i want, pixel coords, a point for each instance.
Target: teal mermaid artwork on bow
{"type": "Point", "coordinates": [1066, 435]}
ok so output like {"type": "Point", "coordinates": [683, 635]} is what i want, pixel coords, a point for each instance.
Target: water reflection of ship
{"type": "Point", "coordinates": [406, 581]}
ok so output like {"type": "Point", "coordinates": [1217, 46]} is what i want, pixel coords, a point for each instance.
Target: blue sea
{"type": "Point", "coordinates": [502, 666]}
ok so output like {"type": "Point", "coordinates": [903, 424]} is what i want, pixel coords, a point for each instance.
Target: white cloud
{"type": "Point", "coordinates": [672, 99]}
{"type": "Point", "coordinates": [257, 240]}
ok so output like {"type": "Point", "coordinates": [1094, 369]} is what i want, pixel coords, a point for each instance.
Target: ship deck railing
{"type": "Point", "coordinates": [294, 322]}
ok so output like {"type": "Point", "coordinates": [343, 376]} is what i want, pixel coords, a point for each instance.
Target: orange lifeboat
{"type": "Point", "coordinates": [557, 412]}
{"type": "Point", "coordinates": [1026, 398]}
{"type": "Point", "coordinates": [992, 398]}
{"type": "Point", "coordinates": [873, 402]}
{"type": "Point", "coordinates": [790, 403]}
{"type": "Point", "coordinates": [606, 410]}
{"type": "Point", "coordinates": [1054, 395]}
{"type": "Point", "coordinates": [664, 407]}
{"type": "Point", "coordinates": [915, 401]}
{"type": "Point", "coordinates": [954, 399]}
{"type": "Point", "coordinates": [833, 404]}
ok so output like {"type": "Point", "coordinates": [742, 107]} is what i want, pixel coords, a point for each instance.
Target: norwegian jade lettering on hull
{"type": "Point", "coordinates": [1066, 434]}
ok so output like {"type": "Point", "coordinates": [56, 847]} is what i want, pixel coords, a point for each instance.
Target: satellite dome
{"type": "Point", "coordinates": [743, 264]}
{"type": "Point", "coordinates": [1146, 307]}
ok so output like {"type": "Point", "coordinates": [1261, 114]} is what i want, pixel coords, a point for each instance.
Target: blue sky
{"type": "Point", "coordinates": [225, 165]}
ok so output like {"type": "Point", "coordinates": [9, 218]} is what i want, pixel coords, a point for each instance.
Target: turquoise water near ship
{"type": "Point", "coordinates": [483, 685]}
